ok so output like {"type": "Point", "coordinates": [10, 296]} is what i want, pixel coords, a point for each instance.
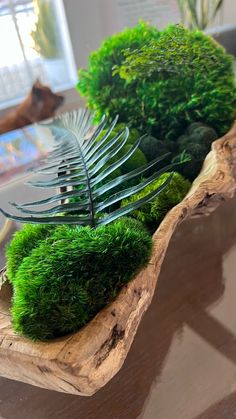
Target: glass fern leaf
{"type": "Point", "coordinates": [81, 164]}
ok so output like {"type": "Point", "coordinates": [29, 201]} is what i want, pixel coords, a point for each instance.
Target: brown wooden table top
{"type": "Point", "coordinates": [182, 364]}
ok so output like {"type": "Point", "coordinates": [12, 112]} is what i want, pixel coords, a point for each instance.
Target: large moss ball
{"type": "Point", "coordinates": [176, 77]}
{"type": "Point", "coordinates": [152, 213]}
{"type": "Point", "coordinates": [68, 277]}
{"type": "Point", "coordinates": [105, 92]}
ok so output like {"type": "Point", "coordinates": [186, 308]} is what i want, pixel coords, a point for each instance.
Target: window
{"type": "Point", "coordinates": [34, 43]}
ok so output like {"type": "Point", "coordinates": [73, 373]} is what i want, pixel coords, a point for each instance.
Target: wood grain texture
{"type": "Point", "coordinates": [85, 361]}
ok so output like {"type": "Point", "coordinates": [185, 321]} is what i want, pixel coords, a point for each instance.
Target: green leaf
{"type": "Point", "coordinates": [134, 205]}
{"type": "Point", "coordinates": [130, 191]}
{"type": "Point", "coordinates": [81, 162]}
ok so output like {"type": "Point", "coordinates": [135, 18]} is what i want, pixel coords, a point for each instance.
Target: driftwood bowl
{"type": "Point", "coordinates": [84, 362]}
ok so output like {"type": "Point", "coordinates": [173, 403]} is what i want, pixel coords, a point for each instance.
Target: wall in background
{"type": "Point", "coordinates": [91, 21]}
{"type": "Point", "coordinates": [229, 12]}
{"type": "Point", "coordinates": [88, 25]}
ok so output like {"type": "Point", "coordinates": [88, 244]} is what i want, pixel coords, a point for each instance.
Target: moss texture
{"type": "Point", "coordinates": [152, 213]}
{"type": "Point", "coordinates": [196, 142]}
{"type": "Point", "coordinates": [152, 147]}
{"type": "Point", "coordinates": [22, 243]}
{"type": "Point", "coordinates": [175, 78]}
{"type": "Point", "coordinates": [72, 274]}
{"type": "Point", "coordinates": [104, 92]}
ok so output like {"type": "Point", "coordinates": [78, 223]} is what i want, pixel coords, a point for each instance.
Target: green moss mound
{"type": "Point", "coordinates": [152, 213]}
{"type": "Point", "coordinates": [196, 142]}
{"type": "Point", "coordinates": [177, 77]}
{"type": "Point", "coordinates": [75, 272]}
{"type": "Point", "coordinates": [152, 147]}
{"type": "Point", "coordinates": [104, 92]}
{"type": "Point", "coordinates": [22, 243]}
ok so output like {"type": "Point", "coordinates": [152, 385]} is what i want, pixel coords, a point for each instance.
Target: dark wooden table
{"type": "Point", "coordinates": [182, 364]}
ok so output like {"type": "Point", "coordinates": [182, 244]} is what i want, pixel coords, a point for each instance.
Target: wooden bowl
{"type": "Point", "coordinates": [84, 362]}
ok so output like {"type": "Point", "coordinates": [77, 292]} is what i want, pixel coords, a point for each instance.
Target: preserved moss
{"type": "Point", "coordinates": [108, 93]}
{"type": "Point", "coordinates": [75, 272]}
{"type": "Point", "coordinates": [196, 142]}
{"type": "Point", "coordinates": [152, 213]}
{"type": "Point", "coordinates": [162, 82]}
{"type": "Point", "coordinates": [22, 243]}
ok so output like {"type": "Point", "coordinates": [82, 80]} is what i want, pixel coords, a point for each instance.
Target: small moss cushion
{"type": "Point", "coordinates": [152, 213]}
{"type": "Point", "coordinates": [73, 273]}
{"type": "Point", "coordinates": [152, 148]}
{"type": "Point", "coordinates": [196, 142]}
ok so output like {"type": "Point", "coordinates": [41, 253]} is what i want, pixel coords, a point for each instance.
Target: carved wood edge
{"type": "Point", "coordinates": [85, 361]}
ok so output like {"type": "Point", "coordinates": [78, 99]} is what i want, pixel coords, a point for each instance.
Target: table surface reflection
{"type": "Point", "coordinates": [182, 364]}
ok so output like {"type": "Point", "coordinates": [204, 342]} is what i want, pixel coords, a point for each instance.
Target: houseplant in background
{"type": "Point", "coordinates": [45, 34]}
{"type": "Point", "coordinates": [153, 99]}
{"type": "Point", "coordinates": [46, 39]}
{"type": "Point", "coordinates": [202, 14]}
{"type": "Point", "coordinates": [197, 14]}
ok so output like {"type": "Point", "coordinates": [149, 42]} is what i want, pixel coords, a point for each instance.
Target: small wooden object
{"type": "Point", "coordinates": [84, 362]}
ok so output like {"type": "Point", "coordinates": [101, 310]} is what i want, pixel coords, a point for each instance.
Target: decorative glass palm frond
{"type": "Point", "coordinates": [80, 165]}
